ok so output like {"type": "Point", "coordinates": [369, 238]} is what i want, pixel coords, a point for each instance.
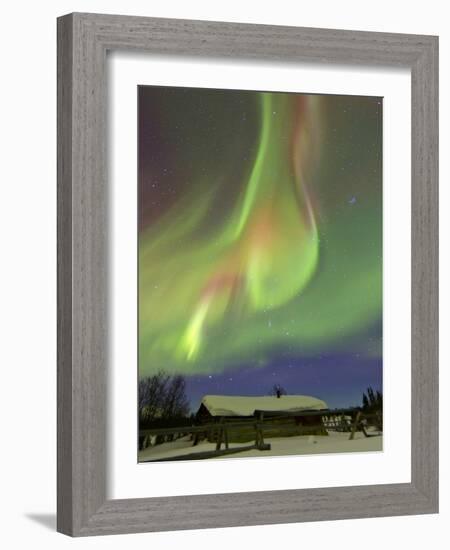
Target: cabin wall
{"type": "Point", "coordinates": [275, 427]}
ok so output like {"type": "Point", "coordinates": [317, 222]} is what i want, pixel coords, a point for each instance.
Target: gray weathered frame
{"type": "Point", "coordinates": [83, 40]}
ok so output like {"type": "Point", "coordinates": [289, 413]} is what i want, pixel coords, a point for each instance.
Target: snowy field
{"type": "Point", "coordinates": [280, 446]}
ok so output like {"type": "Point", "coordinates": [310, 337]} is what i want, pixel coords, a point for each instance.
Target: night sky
{"type": "Point", "coordinates": [260, 241]}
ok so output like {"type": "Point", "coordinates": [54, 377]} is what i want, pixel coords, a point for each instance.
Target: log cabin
{"type": "Point", "coordinates": [283, 414]}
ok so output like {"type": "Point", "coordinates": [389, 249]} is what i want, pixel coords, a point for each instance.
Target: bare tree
{"type": "Point", "coordinates": [152, 392]}
{"type": "Point", "coordinates": [175, 402]}
{"type": "Point", "coordinates": [162, 396]}
{"type": "Point", "coordinates": [277, 390]}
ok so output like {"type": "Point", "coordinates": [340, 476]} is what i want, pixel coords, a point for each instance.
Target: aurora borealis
{"type": "Point", "coordinates": [260, 241]}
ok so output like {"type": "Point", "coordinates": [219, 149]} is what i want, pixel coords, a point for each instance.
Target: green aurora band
{"type": "Point", "coordinates": [284, 269]}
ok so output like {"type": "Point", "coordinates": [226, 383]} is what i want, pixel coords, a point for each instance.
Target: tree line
{"type": "Point", "coordinates": [162, 396]}
{"type": "Point", "coordinates": [372, 401]}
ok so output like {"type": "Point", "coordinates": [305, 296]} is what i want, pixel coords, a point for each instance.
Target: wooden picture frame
{"type": "Point", "coordinates": [83, 40]}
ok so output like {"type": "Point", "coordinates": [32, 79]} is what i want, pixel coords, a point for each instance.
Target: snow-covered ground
{"type": "Point", "coordinates": [280, 446]}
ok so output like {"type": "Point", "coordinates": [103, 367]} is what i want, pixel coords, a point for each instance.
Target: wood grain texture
{"type": "Point", "coordinates": [424, 277]}
{"type": "Point", "coordinates": [83, 317]}
{"type": "Point", "coordinates": [64, 297]}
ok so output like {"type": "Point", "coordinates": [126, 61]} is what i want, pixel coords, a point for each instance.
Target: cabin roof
{"type": "Point", "coordinates": [231, 405]}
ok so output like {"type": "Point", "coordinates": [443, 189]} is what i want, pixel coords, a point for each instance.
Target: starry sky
{"type": "Point", "coordinates": [260, 241]}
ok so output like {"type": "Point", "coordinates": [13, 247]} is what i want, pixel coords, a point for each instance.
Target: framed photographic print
{"type": "Point", "coordinates": [247, 274]}
{"type": "Point", "coordinates": [260, 270]}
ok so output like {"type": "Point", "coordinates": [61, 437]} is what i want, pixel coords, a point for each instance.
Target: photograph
{"type": "Point", "coordinates": [260, 273]}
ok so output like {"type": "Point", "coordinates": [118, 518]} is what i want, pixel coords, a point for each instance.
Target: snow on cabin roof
{"type": "Point", "coordinates": [230, 405]}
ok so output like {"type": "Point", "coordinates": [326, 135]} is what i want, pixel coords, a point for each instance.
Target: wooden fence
{"type": "Point", "coordinates": [343, 420]}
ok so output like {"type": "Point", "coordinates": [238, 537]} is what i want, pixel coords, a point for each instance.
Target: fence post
{"type": "Point", "coordinates": [220, 435]}
{"type": "Point", "coordinates": [355, 425]}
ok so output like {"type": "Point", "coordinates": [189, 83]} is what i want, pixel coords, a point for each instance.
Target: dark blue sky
{"type": "Point", "coordinates": [339, 380]}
